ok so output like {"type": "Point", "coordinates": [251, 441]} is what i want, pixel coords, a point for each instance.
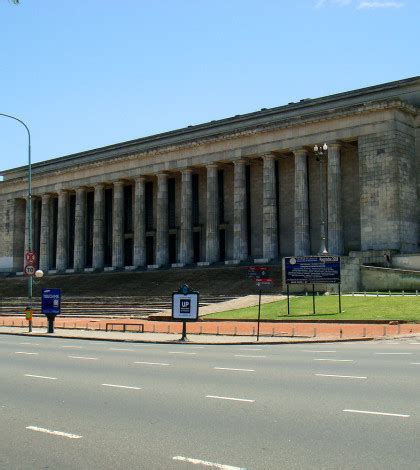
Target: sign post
{"type": "Point", "coordinates": [29, 268]}
{"type": "Point", "coordinates": [51, 306]}
{"type": "Point", "coordinates": [313, 270]}
{"type": "Point", "coordinates": [185, 304]}
{"type": "Point", "coordinates": [260, 275]}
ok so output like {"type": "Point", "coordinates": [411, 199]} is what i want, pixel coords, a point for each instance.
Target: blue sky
{"type": "Point", "coordinates": [88, 73]}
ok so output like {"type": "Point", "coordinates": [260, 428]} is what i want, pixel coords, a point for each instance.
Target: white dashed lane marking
{"type": "Point", "coordinates": [246, 355]}
{"type": "Point", "coordinates": [55, 433]}
{"type": "Point", "coordinates": [40, 377]}
{"type": "Point", "coordinates": [181, 352]}
{"type": "Point", "coordinates": [205, 463]}
{"type": "Point", "coordinates": [73, 347]}
{"type": "Point", "coordinates": [30, 344]}
{"type": "Point", "coordinates": [230, 398]}
{"type": "Point", "coordinates": [121, 349]}
{"type": "Point", "coordinates": [85, 358]}
{"type": "Point", "coordinates": [335, 360]}
{"type": "Point", "coordinates": [121, 386]}
{"type": "Point", "coordinates": [240, 370]}
{"type": "Point", "coordinates": [341, 376]}
{"type": "Point", "coordinates": [377, 413]}
{"type": "Point", "coordinates": [28, 353]}
{"type": "Point", "coordinates": [394, 353]}
{"type": "Point", "coordinates": [318, 352]}
{"type": "Point", "coordinates": [153, 363]}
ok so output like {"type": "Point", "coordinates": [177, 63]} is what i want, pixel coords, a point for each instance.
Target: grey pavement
{"type": "Point", "coordinates": [177, 406]}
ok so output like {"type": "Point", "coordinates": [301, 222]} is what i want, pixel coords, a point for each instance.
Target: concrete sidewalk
{"type": "Point", "coordinates": [194, 338]}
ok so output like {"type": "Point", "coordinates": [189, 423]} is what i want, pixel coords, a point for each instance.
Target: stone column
{"type": "Point", "coordinates": [186, 241]}
{"type": "Point", "coordinates": [118, 225]}
{"type": "Point", "coordinates": [62, 230]}
{"type": "Point", "coordinates": [335, 222]}
{"type": "Point", "coordinates": [98, 226]}
{"type": "Point", "coordinates": [212, 223]}
{"type": "Point", "coordinates": [270, 226]}
{"type": "Point", "coordinates": [302, 241]}
{"type": "Point", "coordinates": [162, 233]}
{"type": "Point", "coordinates": [45, 247]}
{"type": "Point", "coordinates": [26, 246]}
{"type": "Point", "coordinates": [80, 229]}
{"type": "Point", "coordinates": [139, 218]}
{"type": "Point", "coordinates": [240, 233]}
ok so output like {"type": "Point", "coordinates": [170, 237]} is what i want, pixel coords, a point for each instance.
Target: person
{"type": "Point", "coordinates": [387, 260]}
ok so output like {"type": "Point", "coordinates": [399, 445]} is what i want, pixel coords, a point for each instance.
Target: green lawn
{"type": "Point", "coordinates": [353, 308]}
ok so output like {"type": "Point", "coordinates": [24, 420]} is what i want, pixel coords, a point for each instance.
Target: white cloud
{"type": "Point", "coordinates": [371, 5]}
{"type": "Point", "coordinates": [340, 3]}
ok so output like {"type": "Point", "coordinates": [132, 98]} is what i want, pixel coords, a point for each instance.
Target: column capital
{"type": "Point", "coordinates": [99, 185]}
{"type": "Point", "coordinates": [46, 197]}
{"type": "Point", "coordinates": [161, 176]}
{"type": "Point", "coordinates": [186, 171]}
{"type": "Point", "coordinates": [63, 192]}
{"type": "Point", "coordinates": [81, 189]}
{"type": "Point", "coordinates": [239, 162]}
{"type": "Point", "coordinates": [300, 151]}
{"type": "Point", "coordinates": [334, 145]}
{"type": "Point", "coordinates": [212, 165]}
{"type": "Point", "coordinates": [268, 156]}
{"type": "Point", "coordinates": [140, 179]}
{"type": "Point", "coordinates": [118, 183]}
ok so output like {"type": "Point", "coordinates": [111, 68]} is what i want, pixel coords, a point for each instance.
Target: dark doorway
{"type": "Point", "coordinates": [128, 252]}
{"type": "Point", "coordinates": [222, 244]}
{"type": "Point", "coordinates": [149, 250]}
{"type": "Point", "coordinates": [72, 214]}
{"type": "Point", "coordinates": [89, 228]}
{"type": "Point", "coordinates": [108, 228]}
{"type": "Point", "coordinates": [196, 247]}
{"type": "Point", "coordinates": [172, 248]}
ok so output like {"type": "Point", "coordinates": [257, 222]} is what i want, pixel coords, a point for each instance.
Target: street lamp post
{"type": "Point", "coordinates": [30, 234]}
{"type": "Point", "coordinates": [321, 153]}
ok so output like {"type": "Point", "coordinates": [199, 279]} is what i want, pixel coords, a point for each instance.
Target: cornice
{"type": "Point", "coordinates": [277, 123]}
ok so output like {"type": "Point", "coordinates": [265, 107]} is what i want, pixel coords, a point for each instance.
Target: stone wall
{"type": "Point", "coordinates": [384, 279]}
{"type": "Point", "coordinates": [410, 262]}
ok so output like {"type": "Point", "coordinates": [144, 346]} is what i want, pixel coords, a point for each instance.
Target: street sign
{"type": "Point", "coordinates": [30, 265]}
{"type": "Point", "coordinates": [185, 306]}
{"type": "Point", "coordinates": [29, 270]}
{"type": "Point", "coordinates": [264, 281]}
{"type": "Point", "coordinates": [312, 270]}
{"type": "Point", "coordinates": [258, 271]}
{"type": "Point", "coordinates": [51, 302]}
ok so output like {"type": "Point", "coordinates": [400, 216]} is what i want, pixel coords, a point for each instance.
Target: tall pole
{"type": "Point", "coordinates": [30, 234]}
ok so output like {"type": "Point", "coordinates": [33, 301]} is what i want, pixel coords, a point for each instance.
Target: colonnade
{"type": "Point", "coordinates": [269, 229]}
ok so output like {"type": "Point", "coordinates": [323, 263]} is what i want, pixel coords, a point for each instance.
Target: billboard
{"type": "Point", "coordinates": [312, 270]}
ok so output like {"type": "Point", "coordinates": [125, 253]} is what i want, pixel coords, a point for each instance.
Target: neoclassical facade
{"type": "Point", "coordinates": [245, 188]}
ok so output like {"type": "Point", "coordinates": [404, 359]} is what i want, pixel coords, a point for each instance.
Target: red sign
{"type": "Point", "coordinates": [30, 270]}
{"type": "Point", "coordinates": [30, 257]}
{"type": "Point", "coordinates": [264, 281]}
{"type": "Point", "coordinates": [31, 260]}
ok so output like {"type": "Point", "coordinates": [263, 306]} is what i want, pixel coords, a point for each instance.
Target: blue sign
{"type": "Point", "coordinates": [51, 301]}
{"type": "Point", "coordinates": [312, 270]}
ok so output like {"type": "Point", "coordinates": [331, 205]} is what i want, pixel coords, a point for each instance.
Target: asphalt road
{"type": "Point", "coordinates": [63, 405]}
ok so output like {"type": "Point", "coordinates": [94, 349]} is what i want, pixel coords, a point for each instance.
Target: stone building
{"type": "Point", "coordinates": [244, 188]}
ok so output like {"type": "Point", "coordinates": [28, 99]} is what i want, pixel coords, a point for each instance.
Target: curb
{"type": "Point", "coordinates": [228, 343]}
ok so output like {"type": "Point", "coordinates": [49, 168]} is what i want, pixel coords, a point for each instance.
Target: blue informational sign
{"type": "Point", "coordinates": [51, 301]}
{"type": "Point", "coordinates": [312, 270]}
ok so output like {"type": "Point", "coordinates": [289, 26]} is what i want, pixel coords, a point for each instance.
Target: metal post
{"type": "Point", "coordinates": [30, 235]}
{"type": "Point", "coordinates": [184, 331]}
{"type": "Point", "coordinates": [313, 298]}
{"type": "Point", "coordinates": [259, 315]}
{"type": "Point", "coordinates": [321, 155]}
{"type": "Point", "coordinates": [339, 297]}
{"type": "Point", "coordinates": [288, 301]}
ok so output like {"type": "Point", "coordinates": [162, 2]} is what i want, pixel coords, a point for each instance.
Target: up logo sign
{"type": "Point", "coordinates": [185, 306]}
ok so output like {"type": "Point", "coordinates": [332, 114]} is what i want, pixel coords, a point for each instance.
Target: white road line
{"type": "Point", "coordinates": [28, 353]}
{"type": "Point", "coordinates": [415, 363]}
{"type": "Point", "coordinates": [74, 347]}
{"type": "Point", "coordinates": [121, 386]}
{"type": "Point", "coordinates": [40, 377]}
{"type": "Point", "coordinates": [341, 376]}
{"type": "Point", "coordinates": [245, 355]}
{"type": "Point", "coordinates": [335, 360]}
{"type": "Point", "coordinates": [394, 353]}
{"type": "Point", "coordinates": [228, 368]}
{"type": "Point", "coordinates": [82, 357]}
{"type": "Point", "coordinates": [414, 343]}
{"type": "Point", "coordinates": [180, 352]}
{"type": "Point", "coordinates": [204, 463]}
{"type": "Point", "coordinates": [56, 433]}
{"type": "Point", "coordinates": [377, 413]}
{"type": "Point", "coordinates": [230, 398]}
{"type": "Point", "coordinates": [250, 349]}
{"type": "Point", "coordinates": [315, 351]}
{"type": "Point", "coordinates": [121, 349]}
{"type": "Point", "coordinates": [152, 363]}
{"type": "Point", "coordinates": [30, 344]}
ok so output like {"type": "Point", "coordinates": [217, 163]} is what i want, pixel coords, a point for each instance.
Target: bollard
{"type": "Point", "coordinates": [314, 332]}
{"type": "Point", "coordinates": [398, 329]}
{"type": "Point", "coordinates": [384, 330]}
{"type": "Point", "coordinates": [154, 328]}
{"type": "Point", "coordinates": [217, 331]}
{"type": "Point", "coordinates": [341, 332]}
{"type": "Point", "coordinates": [364, 332]}
{"type": "Point", "coordinates": [403, 293]}
{"type": "Point", "coordinates": [416, 292]}
{"type": "Point", "coordinates": [253, 331]}
{"type": "Point", "coordinates": [377, 293]}
{"type": "Point", "coordinates": [272, 332]}
{"type": "Point", "coordinates": [389, 293]}
{"type": "Point", "coordinates": [352, 294]}
{"type": "Point", "coordinates": [235, 332]}
{"type": "Point", "coordinates": [365, 293]}
{"type": "Point", "coordinates": [293, 332]}
{"type": "Point", "coordinates": [169, 328]}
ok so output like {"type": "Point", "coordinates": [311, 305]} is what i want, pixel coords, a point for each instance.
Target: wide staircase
{"type": "Point", "coordinates": [130, 295]}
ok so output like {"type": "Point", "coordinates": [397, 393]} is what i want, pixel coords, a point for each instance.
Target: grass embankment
{"type": "Point", "coordinates": [405, 308]}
